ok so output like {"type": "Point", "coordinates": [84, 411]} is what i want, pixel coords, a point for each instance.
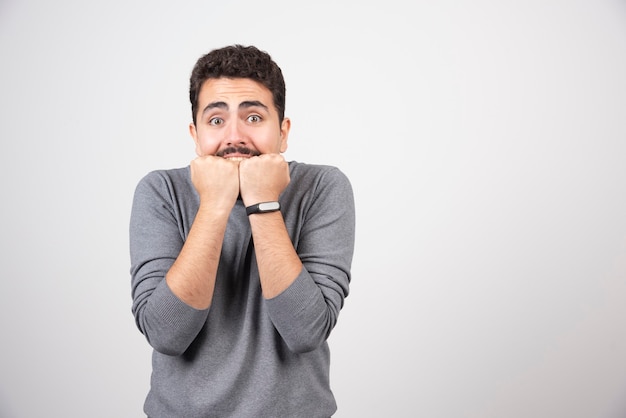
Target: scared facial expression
{"type": "Point", "coordinates": [237, 119]}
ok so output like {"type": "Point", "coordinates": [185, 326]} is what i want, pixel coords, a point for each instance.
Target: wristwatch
{"type": "Point", "coordinates": [263, 207]}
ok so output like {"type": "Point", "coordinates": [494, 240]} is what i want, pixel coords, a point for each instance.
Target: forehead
{"type": "Point", "coordinates": [234, 90]}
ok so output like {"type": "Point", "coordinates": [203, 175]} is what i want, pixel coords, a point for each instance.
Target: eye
{"type": "Point", "coordinates": [216, 121]}
{"type": "Point", "coordinates": [254, 118]}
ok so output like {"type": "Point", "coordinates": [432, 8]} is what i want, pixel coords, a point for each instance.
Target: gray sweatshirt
{"type": "Point", "coordinates": [244, 356]}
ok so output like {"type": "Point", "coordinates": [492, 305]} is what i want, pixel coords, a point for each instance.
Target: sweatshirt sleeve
{"type": "Point", "coordinates": [156, 238]}
{"type": "Point", "coordinates": [307, 311]}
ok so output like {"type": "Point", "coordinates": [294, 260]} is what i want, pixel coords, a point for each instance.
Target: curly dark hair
{"type": "Point", "coordinates": [237, 61]}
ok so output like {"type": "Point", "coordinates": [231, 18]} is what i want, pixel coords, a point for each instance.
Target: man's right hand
{"type": "Point", "coordinates": [216, 180]}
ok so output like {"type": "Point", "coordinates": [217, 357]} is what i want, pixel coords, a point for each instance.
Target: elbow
{"type": "Point", "coordinates": [306, 336]}
{"type": "Point", "coordinates": [302, 347]}
{"type": "Point", "coordinates": [305, 342]}
{"type": "Point", "coordinates": [169, 347]}
{"type": "Point", "coordinates": [171, 335]}
{"type": "Point", "coordinates": [164, 342]}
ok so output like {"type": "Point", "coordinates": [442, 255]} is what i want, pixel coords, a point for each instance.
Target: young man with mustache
{"type": "Point", "coordinates": [240, 262]}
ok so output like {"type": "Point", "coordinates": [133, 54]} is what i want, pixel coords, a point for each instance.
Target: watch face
{"type": "Point", "coordinates": [269, 206]}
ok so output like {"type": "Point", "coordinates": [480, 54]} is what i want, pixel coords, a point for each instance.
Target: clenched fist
{"type": "Point", "coordinates": [216, 180]}
{"type": "Point", "coordinates": [263, 178]}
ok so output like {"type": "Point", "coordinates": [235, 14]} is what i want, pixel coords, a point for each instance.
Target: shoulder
{"type": "Point", "coordinates": [174, 175]}
{"type": "Point", "coordinates": [166, 176]}
{"type": "Point", "coordinates": [310, 181]}
{"type": "Point", "coordinates": [165, 181]}
{"type": "Point", "coordinates": [316, 173]}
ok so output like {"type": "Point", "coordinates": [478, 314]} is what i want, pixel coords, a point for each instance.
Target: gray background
{"type": "Point", "coordinates": [485, 141]}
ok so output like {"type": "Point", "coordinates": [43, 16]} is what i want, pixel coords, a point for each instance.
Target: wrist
{"type": "Point", "coordinates": [263, 207]}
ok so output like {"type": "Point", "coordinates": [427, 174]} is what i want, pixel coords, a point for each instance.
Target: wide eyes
{"type": "Point", "coordinates": [250, 119]}
{"type": "Point", "coordinates": [216, 121]}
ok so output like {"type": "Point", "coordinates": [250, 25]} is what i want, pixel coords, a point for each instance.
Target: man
{"type": "Point", "coordinates": [240, 262]}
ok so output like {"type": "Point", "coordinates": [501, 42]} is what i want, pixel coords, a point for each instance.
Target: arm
{"type": "Point", "coordinates": [277, 260]}
{"type": "Point", "coordinates": [192, 276]}
{"type": "Point", "coordinates": [305, 304]}
{"type": "Point", "coordinates": [173, 272]}
{"type": "Point", "coordinates": [262, 179]}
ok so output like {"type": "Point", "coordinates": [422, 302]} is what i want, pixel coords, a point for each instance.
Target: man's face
{"type": "Point", "coordinates": [237, 119]}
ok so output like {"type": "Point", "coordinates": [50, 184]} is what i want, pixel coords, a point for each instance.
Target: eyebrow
{"type": "Point", "coordinates": [243, 105]}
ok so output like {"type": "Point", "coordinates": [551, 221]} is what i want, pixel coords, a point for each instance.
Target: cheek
{"type": "Point", "coordinates": [206, 145]}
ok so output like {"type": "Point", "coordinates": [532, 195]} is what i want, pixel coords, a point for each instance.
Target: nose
{"type": "Point", "coordinates": [235, 135]}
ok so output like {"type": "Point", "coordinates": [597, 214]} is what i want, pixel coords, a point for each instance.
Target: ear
{"type": "Point", "coordinates": [284, 134]}
{"type": "Point", "coordinates": [194, 135]}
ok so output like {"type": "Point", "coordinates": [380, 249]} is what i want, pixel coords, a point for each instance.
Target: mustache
{"type": "Point", "coordinates": [237, 150]}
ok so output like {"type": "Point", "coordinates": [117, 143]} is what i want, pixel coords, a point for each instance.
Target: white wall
{"type": "Point", "coordinates": [486, 143]}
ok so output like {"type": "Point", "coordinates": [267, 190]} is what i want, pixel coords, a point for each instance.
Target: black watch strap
{"type": "Point", "coordinates": [263, 207]}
